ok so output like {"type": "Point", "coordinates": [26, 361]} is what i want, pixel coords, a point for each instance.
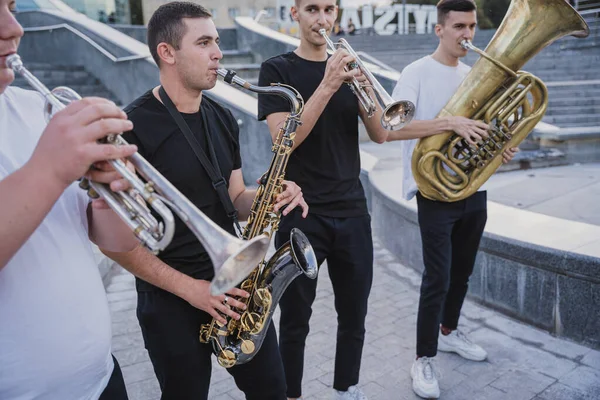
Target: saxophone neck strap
{"type": "Point", "coordinates": [212, 168]}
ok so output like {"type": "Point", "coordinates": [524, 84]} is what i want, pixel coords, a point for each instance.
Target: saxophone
{"type": "Point", "coordinates": [237, 342]}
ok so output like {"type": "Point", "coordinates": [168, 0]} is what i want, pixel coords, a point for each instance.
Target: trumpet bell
{"type": "Point", "coordinates": [240, 257]}
{"type": "Point", "coordinates": [397, 115]}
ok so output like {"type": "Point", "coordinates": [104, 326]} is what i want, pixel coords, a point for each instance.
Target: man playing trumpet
{"type": "Point", "coordinates": [326, 163]}
{"type": "Point", "coordinates": [55, 338]}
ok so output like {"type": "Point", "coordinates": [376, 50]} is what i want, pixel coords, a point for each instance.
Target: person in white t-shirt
{"type": "Point", "coordinates": [450, 232]}
{"type": "Point", "coordinates": [55, 331]}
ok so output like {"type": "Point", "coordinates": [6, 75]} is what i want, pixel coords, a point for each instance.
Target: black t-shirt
{"type": "Point", "coordinates": [161, 142]}
{"type": "Point", "coordinates": [327, 164]}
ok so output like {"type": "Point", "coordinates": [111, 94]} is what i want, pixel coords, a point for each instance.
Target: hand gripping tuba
{"type": "Point", "coordinates": [237, 342]}
{"type": "Point", "coordinates": [233, 259]}
{"type": "Point", "coordinates": [512, 102]}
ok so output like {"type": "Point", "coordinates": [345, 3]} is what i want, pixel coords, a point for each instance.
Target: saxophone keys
{"type": "Point", "coordinates": [248, 346]}
{"type": "Point", "coordinates": [226, 358]}
{"type": "Point", "coordinates": [262, 297]}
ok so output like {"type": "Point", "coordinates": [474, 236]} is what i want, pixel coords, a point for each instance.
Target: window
{"type": "Point", "coordinates": [270, 11]}
{"type": "Point", "coordinates": [233, 12]}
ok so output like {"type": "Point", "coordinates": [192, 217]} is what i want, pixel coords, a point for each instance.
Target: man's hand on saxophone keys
{"type": "Point", "coordinates": [290, 198]}
{"type": "Point", "coordinates": [198, 295]}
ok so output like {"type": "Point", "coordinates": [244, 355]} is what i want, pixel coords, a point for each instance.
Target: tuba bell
{"type": "Point", "coordinates": [233, 259]}
{"type": "Point", "coordinates": [512, 102]}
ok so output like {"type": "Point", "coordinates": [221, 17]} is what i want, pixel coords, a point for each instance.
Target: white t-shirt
{"type": "Point", "coordinates": [429, 84]}
{"type": "Point", "coordinates": [55, 333]}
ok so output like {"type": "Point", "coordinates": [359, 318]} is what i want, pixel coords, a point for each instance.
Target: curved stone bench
{"type": "Point", "coordinates": [540, 269]}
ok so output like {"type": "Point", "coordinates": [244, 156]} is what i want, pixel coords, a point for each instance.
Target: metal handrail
{"type": "Point", "coordinates": [375, 61]}
{"type": "Point", "coordinates": [86, 38]}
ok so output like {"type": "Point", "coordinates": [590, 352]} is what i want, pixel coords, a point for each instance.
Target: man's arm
{"type": "Point", "coordinates": [27, 196]}
{"type": "Point", "coordinates": [407, 88]}
{"type": "Point", "coordinates": [64, 153]}
{"type": "Point", "coordinates": [243, 198]}
{"type": "Point", "coordinates": [145, 265]}
{"type": "Point", "coordinates": [332, 80]}
{"type": "Point", "coordinates": [377, 133]}
{"type": "Point", "coordinates": [106, 229]}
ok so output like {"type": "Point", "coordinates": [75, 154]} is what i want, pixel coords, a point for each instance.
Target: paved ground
{"type": "Point", "coordinates": [524, 363]}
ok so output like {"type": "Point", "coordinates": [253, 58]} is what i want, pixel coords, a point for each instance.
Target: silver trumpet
{"type": "Point", "coordinates": [233, 259]}
{"type": "Point", "coordinates": [396, 113]}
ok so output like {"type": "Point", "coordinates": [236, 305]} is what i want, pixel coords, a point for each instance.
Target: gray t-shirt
{"type": "Point", "coordinates": [55, 331]}
{"type": "Point", "coordinates": [429, 85]}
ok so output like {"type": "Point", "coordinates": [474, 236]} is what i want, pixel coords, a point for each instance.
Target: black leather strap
{"type": "Point", "coordinates": [218, 182]}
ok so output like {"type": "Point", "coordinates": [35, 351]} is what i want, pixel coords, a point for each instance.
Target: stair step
{"type": "Point", "coordinates": [573, 108]}
{"type": "Point", "coordinates": [573, 101]}
{"type": "Point", "coordinates": [567, 120]}
{"type": "Point", "coordinates": [54, 82]}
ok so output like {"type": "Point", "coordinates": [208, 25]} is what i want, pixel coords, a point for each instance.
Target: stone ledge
{"type": "Point", "coordinates": [539, 269]}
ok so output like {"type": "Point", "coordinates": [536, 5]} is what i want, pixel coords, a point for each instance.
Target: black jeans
{"type": "Point", "coordinates": [182, 364]}
{"type": "Point", "coordinates": [115, 389]}
{"type": "Point", "coordinates": [450, 233]}
{"type": "Point", "coordinates": [347, 245]}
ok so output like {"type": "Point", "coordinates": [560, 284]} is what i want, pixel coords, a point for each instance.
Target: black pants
{"type": "Point", "coordinates": [182, 364]}
{"type": "Point", "coordinates": [347, 245]}
{"type": "Point", "coordinates": [115, 389]}
{"type": "Point", "coordinates": [450, 233]}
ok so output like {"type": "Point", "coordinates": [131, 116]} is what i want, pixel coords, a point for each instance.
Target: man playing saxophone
{"type": "Point", "coordinates": [55, 339]}
{"type": "Point", "coordinates": [173, 289]}
{"type": "Point", "coordinates": [326, 163]}
{"type": "Point", "coordinates": [450, 231]}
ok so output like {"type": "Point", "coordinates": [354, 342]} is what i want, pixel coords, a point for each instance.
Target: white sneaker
{"type": "Point", "coordinates": [459, 343]}
{"type": "Point", "coordinates": [353, 393]}
{"type": "Point", "coordinates": [424, 378]}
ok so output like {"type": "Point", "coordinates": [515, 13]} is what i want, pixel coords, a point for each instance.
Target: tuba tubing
{"type": "Point", "coordinates": [512, 102]}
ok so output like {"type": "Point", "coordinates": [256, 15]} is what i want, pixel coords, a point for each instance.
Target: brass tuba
{"type": "Point", "coordinates": [237, 342]}
{"type": "Point", "coordinates": [233, 259]}
{"type": "Point", "coordinates": [512, 102]}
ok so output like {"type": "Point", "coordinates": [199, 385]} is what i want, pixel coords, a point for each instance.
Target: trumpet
{"type": "Point", "coordinates": [396, 114]}
{"type": "Point", "coordinates": [233, 259]}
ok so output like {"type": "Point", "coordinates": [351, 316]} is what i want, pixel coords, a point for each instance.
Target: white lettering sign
{"type": "Point", "coordinates": [385, 20]}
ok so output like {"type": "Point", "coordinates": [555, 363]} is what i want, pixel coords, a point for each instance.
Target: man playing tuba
{"type": "Point", "coordinates": [450, 232]}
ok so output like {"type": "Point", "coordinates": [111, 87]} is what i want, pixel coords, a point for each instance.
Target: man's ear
{"type": "Point", "coordinates": [438, 30]}
{"type": "Point", "coordinates": [166, 53]}
{"type": "Point", "coordinates": [294, 12]}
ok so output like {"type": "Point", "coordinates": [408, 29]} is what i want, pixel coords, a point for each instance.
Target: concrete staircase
{"type": "Point", "coordinates": [75, 77]}
{"type": "Point", "coordinates": [570, 68]}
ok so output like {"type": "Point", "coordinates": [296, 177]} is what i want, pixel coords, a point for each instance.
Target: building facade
{"type": "Point", "coordinates": [224, 12]}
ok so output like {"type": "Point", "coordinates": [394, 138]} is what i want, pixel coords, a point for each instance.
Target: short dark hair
{"type": "Point", "coordinates": [445, 6]}
{"type": "Point", "coordinates": [166, 24]}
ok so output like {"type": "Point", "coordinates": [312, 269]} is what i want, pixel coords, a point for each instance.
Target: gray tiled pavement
{"type": "Point", "coordinates": [524, 363]}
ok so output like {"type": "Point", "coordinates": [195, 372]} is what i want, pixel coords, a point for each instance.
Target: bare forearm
{"type": "Point", "coordinates": [109, 232]}
{"type": "Point", "coordinates": [243, 203]}
{"type": "Point", "coordinates": [26, 196]}
{"type": "Point", "coordinates": [420, 129]}
{"type": "Point", "coordinates": [313, 109]}
{"type": "Point", "coordinates": [376, 132]}
{"type": "Point", "coordinates": [145, 265]}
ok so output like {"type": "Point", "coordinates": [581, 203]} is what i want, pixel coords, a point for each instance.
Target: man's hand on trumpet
{"type": "Point", "coordinates": [69, 144]}
{"type": "Point", "coordinates": [335, 73]}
